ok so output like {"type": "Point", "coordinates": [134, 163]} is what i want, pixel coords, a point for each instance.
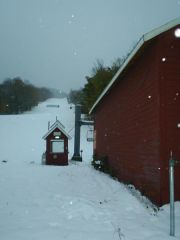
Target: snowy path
{"type": "Point", "coordinates": [74, 202]}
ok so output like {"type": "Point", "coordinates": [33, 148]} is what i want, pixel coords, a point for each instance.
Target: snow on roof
{"type": "Point", "coordinates": [58, 125]}
{"type": "Point", "coordinates": [146, 37]}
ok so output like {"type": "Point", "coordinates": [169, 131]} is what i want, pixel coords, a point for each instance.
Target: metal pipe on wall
{"type": "Point", "coordinates": [171, 195]}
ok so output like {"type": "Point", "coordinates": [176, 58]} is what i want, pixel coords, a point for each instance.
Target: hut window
{"type": "Point", "coordinates": [57, 146]}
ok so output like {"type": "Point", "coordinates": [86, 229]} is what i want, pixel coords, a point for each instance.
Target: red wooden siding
{"type": "Point", "coordinates": [134, 120]}
{"type": "Point", "coordinates": [169, 48]}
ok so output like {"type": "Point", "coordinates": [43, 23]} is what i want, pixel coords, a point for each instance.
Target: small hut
{"type": "Point", "coordinates": [56, 145]}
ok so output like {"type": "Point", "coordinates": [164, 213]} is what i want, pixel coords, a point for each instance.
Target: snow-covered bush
{"type": "Point", "coordinates": [101, 163]}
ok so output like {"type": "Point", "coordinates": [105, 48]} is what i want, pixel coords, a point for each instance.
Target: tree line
{"type": "Point", "coordinates": [17, 96]}
{"type": "Point", "coordinates": [95, 85]}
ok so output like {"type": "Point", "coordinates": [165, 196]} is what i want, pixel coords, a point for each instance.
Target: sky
{"type": "Point", "coordinates": [56, 43]}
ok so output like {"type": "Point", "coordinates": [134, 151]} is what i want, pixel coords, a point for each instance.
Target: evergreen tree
{"type": "Point", "coordinates": [17, 96]}
{"type": "Point", "coordinates": [95, 85]}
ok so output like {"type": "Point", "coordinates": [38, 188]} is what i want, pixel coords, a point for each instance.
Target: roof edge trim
{"type": "Point", "coordinates": [155, 32]}
{"type": "Point", "coordinates": [53, 127]}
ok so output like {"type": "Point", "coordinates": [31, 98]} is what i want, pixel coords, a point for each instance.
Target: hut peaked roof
{"type": "Point", "coordinates": [58, 125]}
{"type": "Point", "coordinates": [145, 38]}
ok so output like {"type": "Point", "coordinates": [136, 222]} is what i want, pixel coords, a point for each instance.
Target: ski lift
{"type": "Point", "coordinates": [90, 135]}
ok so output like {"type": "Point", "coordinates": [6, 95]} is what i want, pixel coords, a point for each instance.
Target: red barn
{"type": "Point", "coordinates": [56, 145]}
{"type": "Point", "coordinates": [137, 116]}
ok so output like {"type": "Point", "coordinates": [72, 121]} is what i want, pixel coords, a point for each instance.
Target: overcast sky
{"type": "Point", "coordinates": [55, 43]}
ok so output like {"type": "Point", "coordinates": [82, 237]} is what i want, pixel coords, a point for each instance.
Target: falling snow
{"type": "Point", "coordinates": [177, 33]}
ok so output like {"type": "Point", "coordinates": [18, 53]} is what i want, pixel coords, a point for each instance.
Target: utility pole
{"type": "Point", "coordinates": [172, 164]}
{"type": "Point", "coordinates": [76, 155]}
{"type": "Point", "coordinates": [171, 195]}
{"type": "Point", "coordinates": [78, 123]}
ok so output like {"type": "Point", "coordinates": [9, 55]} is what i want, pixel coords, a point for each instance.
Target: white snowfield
{"type": "Point", "coordinates": [73, 202]}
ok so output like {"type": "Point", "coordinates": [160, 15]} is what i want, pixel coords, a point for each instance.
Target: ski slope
{"type": "Point", "coordinates": [73, 202]}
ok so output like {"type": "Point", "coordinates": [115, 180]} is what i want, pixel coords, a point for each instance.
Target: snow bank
{"type": "Point", "coordinates": [73, 202]}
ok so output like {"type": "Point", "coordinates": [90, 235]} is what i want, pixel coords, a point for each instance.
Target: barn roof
{"type": "Point", "coordinates": [144, 39]}
{"type": "Point", "coordinates": [58, 125]}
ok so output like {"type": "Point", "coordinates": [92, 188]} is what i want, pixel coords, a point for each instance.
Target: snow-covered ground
{"type": "Point", "coordinates": [74, 202]}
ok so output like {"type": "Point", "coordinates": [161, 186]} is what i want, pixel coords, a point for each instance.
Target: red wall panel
{"type": "Point", "coordinates": [127, 125]}
{"type": "Point", "coordinates": [169, 75]}
{"type": "Point", "coordinates": [136, 122]}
